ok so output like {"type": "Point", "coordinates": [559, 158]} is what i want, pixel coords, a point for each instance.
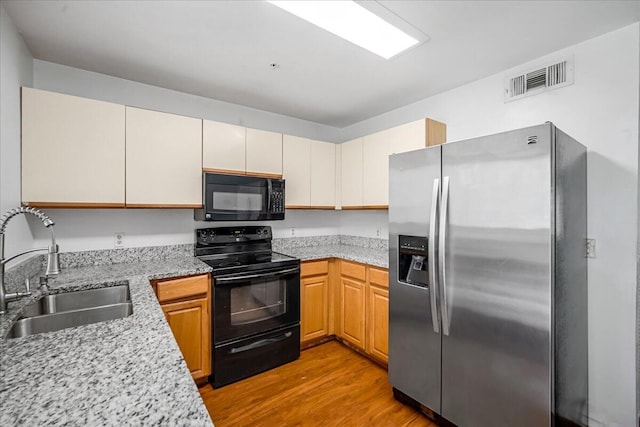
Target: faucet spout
{"type": "Point", "coordinates": [53, 266]}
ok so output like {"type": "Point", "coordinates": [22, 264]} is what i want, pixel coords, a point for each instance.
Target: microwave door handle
{"type": "Point", "coordinates": [269, 188]}
{"type": "Point", "coordinates": [255, 276]}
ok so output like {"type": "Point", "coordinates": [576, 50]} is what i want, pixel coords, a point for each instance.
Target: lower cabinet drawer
{"type": "Point", "coordinates": [174, 289]}
{"type": "Point", "coordinates": [314, 268]}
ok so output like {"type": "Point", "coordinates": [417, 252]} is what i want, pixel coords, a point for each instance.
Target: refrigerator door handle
{"type": "Point", "coordinates": [441, 255]}
{"type": "Point", "coordinates": [433, 282]}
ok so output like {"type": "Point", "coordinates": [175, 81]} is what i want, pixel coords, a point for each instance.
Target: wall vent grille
{"type": "Point", "coordinates": [538, 80]}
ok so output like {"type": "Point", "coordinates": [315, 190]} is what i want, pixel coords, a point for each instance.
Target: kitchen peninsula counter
{"type": "Point", "coordinates": [128, 371]}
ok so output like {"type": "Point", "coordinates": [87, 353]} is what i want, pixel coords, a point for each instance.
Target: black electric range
{"type": "Point", "coordinates": [255, 303]}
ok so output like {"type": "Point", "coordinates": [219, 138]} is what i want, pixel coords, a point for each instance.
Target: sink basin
{"type": "Point", "coordinates": [78, 300]}
{"type": "Point", "coordinates": [68, 319]}
{"type": "Point", "coordinates": [60, 311]}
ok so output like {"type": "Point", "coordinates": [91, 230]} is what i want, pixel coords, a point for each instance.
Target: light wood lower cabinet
{"type": "Point", "coordinates": [314, 300]}
{"type": "Point", "coordinates": [378, 314]}
{"type": "Point", "coordinates": [352, 310]}
{"type": "Point", "coordinates": [348, 299]}
{"type": "Point", "coordinates": [186, 305]}
{"type": "Point", "coordinates": [315, 320]}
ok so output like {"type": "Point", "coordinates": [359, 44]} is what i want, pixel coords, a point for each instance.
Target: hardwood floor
{"type": "Point", "coordinates": [329, 385]}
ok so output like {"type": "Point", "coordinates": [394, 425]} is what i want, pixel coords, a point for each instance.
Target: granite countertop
{"type": "Point", "coordinates": [122, 372]}
{"type": "Point", "coordinates": [371, 256]}
{"type": "Point", "coordinates": [128, 371]}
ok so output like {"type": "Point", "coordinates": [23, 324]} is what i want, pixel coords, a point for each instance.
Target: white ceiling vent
{"type": "Point", "coordinates": [539, 79]}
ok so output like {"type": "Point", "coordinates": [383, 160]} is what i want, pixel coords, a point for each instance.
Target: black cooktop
{"type": "Point", "coordinates": [240, 249]}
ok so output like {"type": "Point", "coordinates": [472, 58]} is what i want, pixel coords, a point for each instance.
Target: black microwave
{"type": "Point", "coordinates": [241, 198]}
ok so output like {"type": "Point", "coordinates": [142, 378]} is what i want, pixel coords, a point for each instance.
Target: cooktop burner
{"type": "Point", "coordinates": [237, 249]}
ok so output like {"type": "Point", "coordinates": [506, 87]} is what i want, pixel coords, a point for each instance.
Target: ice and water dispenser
{"type": "Point", "coordinates": [413, 261]}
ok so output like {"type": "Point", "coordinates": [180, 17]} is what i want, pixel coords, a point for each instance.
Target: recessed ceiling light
{"type": "Point", "coordinates": [352, 22]}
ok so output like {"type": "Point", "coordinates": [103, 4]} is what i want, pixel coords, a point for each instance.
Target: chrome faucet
{"type": "Point", "coordinates": [53, 266]}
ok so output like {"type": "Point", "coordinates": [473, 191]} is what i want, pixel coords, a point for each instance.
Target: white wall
{"type": "Point", "coordinates": [15, 71]}
{"type": "Point", "coordinates": [601, 111]}
{"type": "Point", "coordinates": [365, 223]}
{"type": "Point", "coordinates": [89, 229]}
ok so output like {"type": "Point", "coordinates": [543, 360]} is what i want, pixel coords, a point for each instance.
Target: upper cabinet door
{"type": "Point", "coordinates": [164, 159]}
{"type": "Point", "coordinates": [351, 173]}
{"type": "Point", "coordinates": [223, 147]}
{"type": "Point", "coordinates": [73, 151]}
{"type": "Point", "coordinates": [376, 169]}
{"type": "Point", "coordinates": [323, 174]}
{"type": "Point", "coordinates": [408, 137]}
{"type": "Point", "coordinates": [415, 135]}
{"type": "Point", "coordinates": [296, 162]}
{"type": "Point", "coordinates": [264, 152]}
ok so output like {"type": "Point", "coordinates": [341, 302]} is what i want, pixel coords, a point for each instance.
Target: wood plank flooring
{"type": "Point", "coordinates": [329, 385]}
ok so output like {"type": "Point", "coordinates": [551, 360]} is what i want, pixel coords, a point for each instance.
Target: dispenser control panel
{"type": "Point", "coordinates": [413, 260]}
{"type": "Point", "coordinates": [413, 243]}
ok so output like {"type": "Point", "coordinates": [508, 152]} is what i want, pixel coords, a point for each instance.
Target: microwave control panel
{"type": "Point", "coordinates": [277, 200]}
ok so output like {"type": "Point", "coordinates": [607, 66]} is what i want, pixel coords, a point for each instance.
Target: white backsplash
{"type": "Point", "coordinates": [92, 229]}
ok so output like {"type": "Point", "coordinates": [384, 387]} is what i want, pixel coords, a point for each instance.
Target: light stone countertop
{"type": "Point", "coordinates": [128, 371]}
{"type": "Point", "coordinates": [122, 372]}
{"type": "Point", "coordinates": [371, 256]}
{"type": "Point", "coordinates": [366, 250]}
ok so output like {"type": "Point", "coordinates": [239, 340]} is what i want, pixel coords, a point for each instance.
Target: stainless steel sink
{"type": "Point", "coordinates": [60, 311]}
{"type": "Point", "coordinates": [78, 300]}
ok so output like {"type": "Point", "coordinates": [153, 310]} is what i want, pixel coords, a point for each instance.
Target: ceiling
{"type": "Point", "coordinates": [222, 49]}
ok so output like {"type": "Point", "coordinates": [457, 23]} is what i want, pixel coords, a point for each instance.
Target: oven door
{"type": "Point", "coordinates": [237, 198]}
{"type": "Point", "coordinates": [255, 302]}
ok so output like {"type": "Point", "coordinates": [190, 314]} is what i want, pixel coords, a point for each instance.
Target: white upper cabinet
{"type": "Point", "coordinates": [415, 135]}
{"type": "Point", "coordinates": [323, 174]}
{"type": "Point", "coordinates": [375, 159]}
{"type": "Point", "coordinates": [365, 161]}
{"type": "Point", "coordinates": [351, 173]}
{"type": "Point", "coordinates": [264, 152]}
{"type": "Point", "coordinates": [73, 151]}
{"type": "Point", "coordinates": [407, 137]}
{"type": "Point", "coordinates": [296, 163]}
{"type": "Point", "coordinates": [164, 159]}
{"type": "Point", "coordinates": [309, 166]}
{"type": "Point", "coordinates": [223, 147]}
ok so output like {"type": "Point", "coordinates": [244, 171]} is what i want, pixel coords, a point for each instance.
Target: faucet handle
{"type": "Point", "coordinates": [27, 284]}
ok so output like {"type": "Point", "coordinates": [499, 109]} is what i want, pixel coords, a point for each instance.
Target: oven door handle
{"type": "Point", "coordinates": [260, 343]}
{"type": "Point", "coordinates": [255, 276]}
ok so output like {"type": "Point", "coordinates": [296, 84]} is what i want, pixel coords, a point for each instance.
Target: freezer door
{"type": "Point", "coordinates": [414, 344]}
{"type": "Point", "coordinates": [496, 345]}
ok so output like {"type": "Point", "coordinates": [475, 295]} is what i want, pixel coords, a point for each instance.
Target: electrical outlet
{"type": "Point", "coordinates": [293, 231]}
{"type": "Point", "coordinates": [377, 232]}
{"type": "Point", "coordinates": [118, 241]}
{"type": "Point", "coordinates": [591, 248]}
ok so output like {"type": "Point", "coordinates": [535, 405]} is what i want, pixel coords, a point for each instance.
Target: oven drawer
{"type": "Point", "coordinates": [246, 357]}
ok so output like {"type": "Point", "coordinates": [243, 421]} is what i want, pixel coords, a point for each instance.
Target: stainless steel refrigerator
{"type": "Point", "coordinates": [488, 279]}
